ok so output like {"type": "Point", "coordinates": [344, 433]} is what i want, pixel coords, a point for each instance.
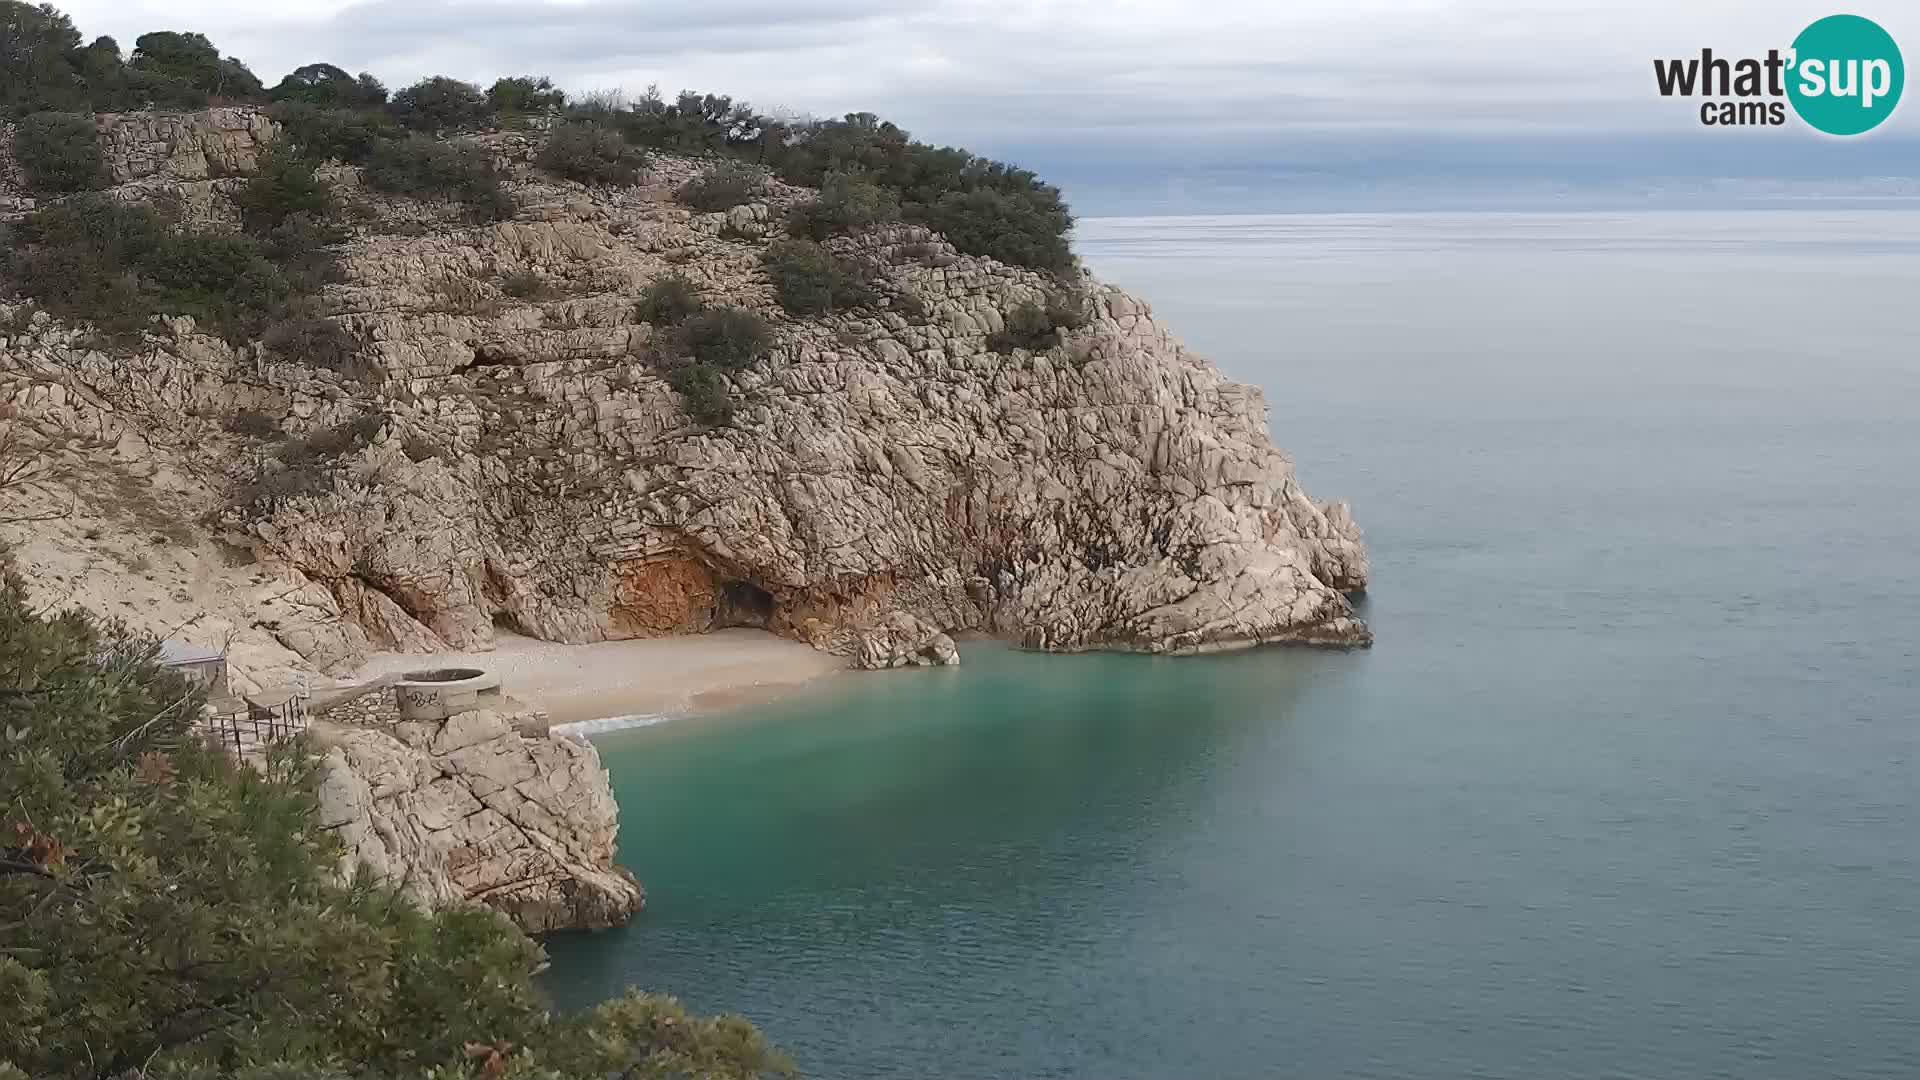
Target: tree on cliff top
{"type": "Point", "coordinates": [441, 104]}
{"type": "Point", "coordinates": [324, 84]}
{"type": "Point", "coordinates": [191, 70]}
{"type": "Point", "coordinates": [166, 910]}
{"type": "Point", "coordinates": [38, 60]}
{"type": "Point", "coordinates": [525, 94]}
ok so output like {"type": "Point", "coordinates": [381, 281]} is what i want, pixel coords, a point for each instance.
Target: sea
{"type": "Point", "coordinates": [1626, 788]}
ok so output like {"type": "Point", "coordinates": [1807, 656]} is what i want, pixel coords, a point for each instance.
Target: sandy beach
{"type": "Point", "coordinates": [651, 677]}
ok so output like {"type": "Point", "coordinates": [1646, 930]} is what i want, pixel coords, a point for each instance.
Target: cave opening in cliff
{"type": "Point", "coordinates": [742, 603]}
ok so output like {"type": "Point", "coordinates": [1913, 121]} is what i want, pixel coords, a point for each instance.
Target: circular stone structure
{"type": "Point", "coordinates": [438, 693]}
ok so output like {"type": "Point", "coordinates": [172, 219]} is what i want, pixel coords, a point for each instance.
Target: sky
{"type": "Point", "coordinates": [1138, 106]}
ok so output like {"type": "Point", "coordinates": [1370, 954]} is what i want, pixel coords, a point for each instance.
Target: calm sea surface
{"type": "Point", "coordinates": [1626, 789]}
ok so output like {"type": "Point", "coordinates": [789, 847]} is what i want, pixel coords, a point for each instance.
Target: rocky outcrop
{"type": "Point", "coordinates": [904, 640]}
{"type": "Point", "coordinates": [180, 147]}
{"type": "Point", "coordinates": [889, 478]}
{"type": "Point", "coordinates": [467, 810]}
{"type": "Point", "coordinates": [15, 200]}
{"type": "Point", "coordinates": [1115, 493]}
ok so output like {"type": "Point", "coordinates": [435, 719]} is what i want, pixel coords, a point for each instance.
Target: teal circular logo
{"type": "Point", "coordinates": [1847, 75]}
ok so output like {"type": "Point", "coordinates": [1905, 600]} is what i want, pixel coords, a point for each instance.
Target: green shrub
{"type": "Point", "coordinates": [427, 168]}
{"type": "Point", "coordinates": [591, 154]}
{"type": "Point", "coordinates": [525, 94]}
{"type": "Point", "coordinates": [314, 340]}
{"type": "Point", "coordinates": [810, 280]}
{"type": "Point", "coordinates": [461, 295]}
{"type": "Point", "coordinates": [283, 184]}
{"type": "Point", "coordinates": [93, 258]}
{"type": "Point", "coordinates": [907, 303]}
{"type": "Point", "coordinates": [345, 134]}
{"type": "Point", "coordinates": [846, 204]}
{"type": "Point", "coordinates": [723, 187]}
{"type": "Point", "coordinates": [419, 449]}
{"type": "Point", "coordinates": [330, 443]}
{"type": "Point", "coordinates": [668, 299]}
{"type": "Point", "coordinates": [1038, 327]}
{"type": "Point", "coordinates": [692, 124]}
{"type": "Point", "coordinates": [728, 338]}
{"type": "Point", "coordinates": [706, 393]}
{"type": "Point", "coordinates": [525, 285]}
{"type": "Point", "coordinates": [79, 259]}
{"type": "Point", "coordinates": [1016, 230]}
{"type": "Point", "coordinates": [441, 104]}
{"type": "Point", "coordinates": [299, 246]}
{"type": "Point", "coordinates": [252, 423]}
{"type": "Point", "coordinates": [273, 482]}
{"type": "Point", "coordinates": [59, 152]}
{"type": "Point", "coordinates": [986, 207]}
{"type": "Point", "coordinates": [221, 279]}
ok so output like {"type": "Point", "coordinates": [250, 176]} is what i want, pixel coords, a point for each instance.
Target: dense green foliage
{"type": "Point", "coordinates": [810, 280]}
{"type": "Point", "coordinates": [395, 160]}
{"type": "Point", "coordinates": [525, 285]}
{"type": "Point", "coordinates": [871, 171]}
{"type": "Point", "coordinates": [591, 154]}
{"type": "Point", "coordinates": [305, 337]}
{"type": "Point", "coordinates": [95, 260]}
{"type": "Point", "coordinates": [700, 345]}
{"type": "Point", "coordinates": [189, 63]}
{"type": "Point", "coordinates": [728, 338]}
{"type": "Point", "coordinates": [44, 66]}
{"type": "Point", "coordinates": [59, 152]}
{"type": "Point", "coordinates": [39, 61]}
{"type": "Point", "coordinates": [694, 124]}
{"type": "Point", "coordinates": [282, 186]}
{"type": "Point", "coordinates": [723, 187]}
{"type": "Point", "coordinates": [330, 87]}
{"type": "Point", "coordinates": [1003, 225]}
{"type": "Point", "coordinates": [846, 204]}
{"type": "Point", "coordinates": [668, 299]}
{"type": "Point", "coordinates": [325, 132]}
{"type": "Point", "coordinates": [166, 910]}
{"type": "Point", "coordinates": [521, 94]}
{"type": "Point", "coordinates": [441, 104]}
{"type": "Point", "coordinates": [986, 207]}
{"type": "Point", "coordinates": [706, 392]}
{"type": "Point", "coordinates": [426, 168]}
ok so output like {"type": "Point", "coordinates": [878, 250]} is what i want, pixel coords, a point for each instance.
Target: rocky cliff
{"type": "Point", "coordinates": [888, 477]}
{"type": "Point", "coordinates": [467, 809]}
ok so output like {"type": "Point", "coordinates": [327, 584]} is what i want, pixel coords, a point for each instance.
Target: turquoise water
{"type": "Point", "coordinates": [1626, 789]}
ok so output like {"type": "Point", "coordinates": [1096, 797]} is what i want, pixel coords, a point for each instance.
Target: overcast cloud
{"type": "Point", "coordinates": [1074, 79]}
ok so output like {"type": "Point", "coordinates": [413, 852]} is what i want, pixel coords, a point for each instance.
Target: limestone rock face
{"type": "Point", "coordinates": [466, 810]}
{"type": "Point", "coordinates": [889, 478]}
{"type": "Point", "coordinates": [1116, 492]}
{"type": "Point", "coordinates": [904, 640]}
{"type": "Point", "coordinates": [203, 145]}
